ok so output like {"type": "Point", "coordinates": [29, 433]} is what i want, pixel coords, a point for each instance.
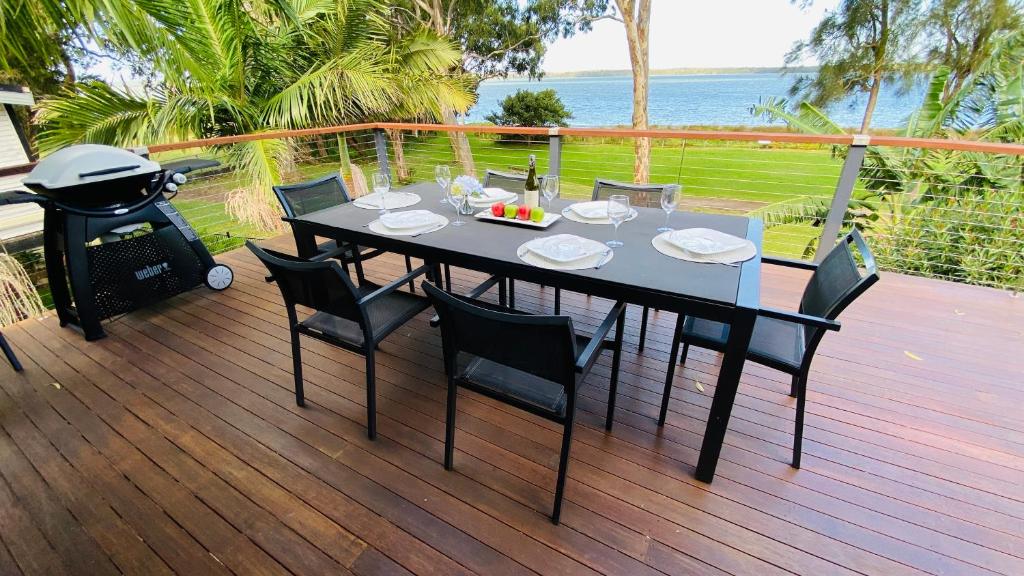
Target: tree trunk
{"type": "Point", "coordinates": [397, 144]}
{"type": "Point", "coordinates": [460, 146]}
{"type": "Point", "coordinates": [869, 110]}
{"type": "Point", "coordinates": [876, 78]}
{"type": "Point", "coordinates": [636, 17]}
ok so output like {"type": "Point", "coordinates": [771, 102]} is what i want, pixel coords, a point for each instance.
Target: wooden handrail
{"type": "Point", "coordinates": [789, 137]}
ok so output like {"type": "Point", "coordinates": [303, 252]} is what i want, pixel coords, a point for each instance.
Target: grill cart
{"type": "Point", "coordinates": [113, 242]}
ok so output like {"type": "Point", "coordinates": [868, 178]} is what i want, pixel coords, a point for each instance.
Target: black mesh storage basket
{"type": "Point", "coordinates": [131, 273]}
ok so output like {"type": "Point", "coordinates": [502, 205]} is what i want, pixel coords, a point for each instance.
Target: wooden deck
{"type": "Point", "coordinates": [175, 446]}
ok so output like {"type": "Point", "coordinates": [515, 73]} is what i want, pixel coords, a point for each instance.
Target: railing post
{"type": "Point", "coordinates": [554, 152]}
{"type": "Point", "coordinates": [381, 142]}
{"type": "Point", "coordinates": [841, 198]}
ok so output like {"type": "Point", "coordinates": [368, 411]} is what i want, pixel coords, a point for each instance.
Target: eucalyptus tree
{"type": "Point", "coordinates": [230, 67]}
{"type": "Point", "coordinates": [859, 45]}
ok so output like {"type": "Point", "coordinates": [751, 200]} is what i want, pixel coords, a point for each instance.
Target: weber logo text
{"type": "Point", "coordinates": [151, 271]}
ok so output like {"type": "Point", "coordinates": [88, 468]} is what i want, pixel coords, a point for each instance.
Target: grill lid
{"type": "Point", "coordinates": [86, 164]}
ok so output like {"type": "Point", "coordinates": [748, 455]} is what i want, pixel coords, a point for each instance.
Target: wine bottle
{"type": "Point", "coordinates": [531, 195]}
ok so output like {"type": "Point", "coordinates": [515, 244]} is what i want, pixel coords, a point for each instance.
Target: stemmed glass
{"type": "Point", "coordinates": [381, 185]}
{"type": "Point", "coordinates": [550, 188]}
{"type": "Point", "coordinates": [455, 197]}
{"type": "Point", "coordinates": [443, 175]}
{"type": "Point", "coordinates": [669, 200]}
{"type": "Point", "coordinates": [618, 211]}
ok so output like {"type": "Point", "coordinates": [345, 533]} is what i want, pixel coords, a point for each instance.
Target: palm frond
{"type": "Point", "coordinates": [807, 118]}
{"type": "Point", "coordinates": [96, 113]}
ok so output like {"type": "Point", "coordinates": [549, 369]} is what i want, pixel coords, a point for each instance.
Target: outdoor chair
{"type": "Point", "coordinates": [9, 353]}
{"type": "Point", "coordinates": [513, 183]}
{"type": "Point", "coordinates": [534, 363]}
{"type": "Point", "coordinates": [354, 317]}
{"type": "Point", "coordinates": [306, 197]}
{"type": "Point", "coordinates": [640, 195]}
{"type": "Point", "coordinates": [786, 341]}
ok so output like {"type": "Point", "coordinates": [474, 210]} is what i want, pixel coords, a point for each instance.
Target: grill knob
{"type": "Point", "coordinates": [179, 178]}
{"type": "Point", "coordinates": [171, 187]}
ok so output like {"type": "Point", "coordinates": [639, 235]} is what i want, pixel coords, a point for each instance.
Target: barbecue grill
{"type": "Point", "coordinates": [112, 240]}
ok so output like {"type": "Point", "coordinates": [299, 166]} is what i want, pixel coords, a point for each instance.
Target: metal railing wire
{"type": "Point", "coordinates": [946, 209]}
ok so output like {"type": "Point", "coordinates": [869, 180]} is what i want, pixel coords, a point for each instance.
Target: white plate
{"type": "Point", "coordinates": [571, 214]}
{"type": "Point", "coordinates": [563, 248]}
{"type": "Point", "coordinates": [408, 219]}
{"type": "Point", "coordinates": [438, 222]}
{"type": "Point", "coordinates": [594, 210]}
{"type": "Point", "coordinates": [549, 219]}
{"type": "Point", "coordinates": [732, 258]}
{"type": "Point", "coordinates": [491, 195]}
{"type": "Point", "coordinates": [595, 252]}
{"type": "Point", "coordinates": [705, 241]}
{"type": "Point", "coordinates": [394, 200]}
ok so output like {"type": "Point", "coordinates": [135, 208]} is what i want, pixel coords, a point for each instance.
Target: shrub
{"type": "Point", "coordinates": [526, 108]}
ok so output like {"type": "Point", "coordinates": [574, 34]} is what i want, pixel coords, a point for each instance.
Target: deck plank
{"type": "Point", "coordinates": [181, 432]}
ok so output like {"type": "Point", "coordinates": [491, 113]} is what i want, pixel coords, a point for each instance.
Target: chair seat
{"type": "Point", "coordinates": [515, 386]}
{"type": "Point", "coordinates": [775, 343]}
{"type": "Point", "coordinates": [385, 314]}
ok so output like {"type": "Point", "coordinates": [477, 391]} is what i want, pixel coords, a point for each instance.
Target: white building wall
{"type": "Point", "coordinates": [20, 219]}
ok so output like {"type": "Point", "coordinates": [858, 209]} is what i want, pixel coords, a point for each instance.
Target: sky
{"type": "Point", "coordinates": [695, 34]}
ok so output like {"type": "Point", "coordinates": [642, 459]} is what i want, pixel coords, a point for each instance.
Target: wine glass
{"type": "Point", "coordinates": [455, 196]}
{"type": "Point", "coordinates": [618, 211]}
{"type": "Point", "coordinates": [669, 200]}
{"type": "Point", "coordinates": [381, 185]}
{"type": "Point", "coordinates": [443, 175]}
{"type": "Point", "coordinates": [550, 188]}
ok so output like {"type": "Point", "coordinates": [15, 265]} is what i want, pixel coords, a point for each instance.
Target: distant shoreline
{"type": "Point", "coordinates": [674, 72]}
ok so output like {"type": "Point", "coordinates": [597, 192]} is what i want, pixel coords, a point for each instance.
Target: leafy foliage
{"type": "Point", "coordinates": [228, 67]}
{"type": "Point", "coordinates": [526, 108]}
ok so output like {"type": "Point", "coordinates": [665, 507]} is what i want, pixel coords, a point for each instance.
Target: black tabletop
{"type": "Point", "coordinates": [491, 247]}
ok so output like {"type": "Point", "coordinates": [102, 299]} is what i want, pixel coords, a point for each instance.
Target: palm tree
{"type": "Point", "coordinates": [230, 67]}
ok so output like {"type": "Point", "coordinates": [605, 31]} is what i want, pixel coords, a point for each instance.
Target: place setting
{"type": "Point", "coordinates": [408, 223]}
{"type": "Point", "coordinates": [704, 245]}
{"type": "Point", "coordinates": [565, 252]}
{"type": "Point", "coordinates": [593, 212]}
{"type": "Point", "coordinates": [383, 199]}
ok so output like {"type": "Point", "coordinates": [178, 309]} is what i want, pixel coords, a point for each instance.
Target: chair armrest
{"type": "Point", "coordinates": [597, 343]}
{"type": "Point", "coordinates": [475, 293]}
{"type": "Point", "coordinates": [393, 285]}
{"type": "Point", "coordinates": [341, 250]}
{"type": "Point", "coordinates": [789, 263]}
{"type": "Point", "coordinates": [798, 318]}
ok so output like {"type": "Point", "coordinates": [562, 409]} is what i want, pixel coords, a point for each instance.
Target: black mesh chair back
{"type": "Point", "coordinates": [306, 197]}
{"type": "Point", "coordinates": [508, 181]}
{"type": "Point", "coordinates": [544, 346]}
{"type": "Point", "coordinates": [322, 286]}
{"type": "Point", "coordinates": [838, 281]}
{"type": "Point", "coordinates": [640, 195]}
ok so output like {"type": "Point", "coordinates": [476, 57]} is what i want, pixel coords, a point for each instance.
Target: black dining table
{"type": "Point", "coordinates": [637, 274]}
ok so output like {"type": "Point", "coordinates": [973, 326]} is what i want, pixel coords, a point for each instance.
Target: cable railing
{"type": "Point", "coordinates": [948, 209]}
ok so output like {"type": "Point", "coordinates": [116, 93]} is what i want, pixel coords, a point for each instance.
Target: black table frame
{"type": "Point", "coordinates": [740, 315]}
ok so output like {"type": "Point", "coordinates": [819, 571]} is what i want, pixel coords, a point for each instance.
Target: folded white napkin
{"type": "Point", "coordinates": [408, 219]}
{"type": "Point", "coordinates": [491, 195]}
{"type": "Point", "coordinates": [705, 241]}
{"type": "Point", "coordinates": [591, 210]}
{"type": "Point", "coordinates": [564, 247]}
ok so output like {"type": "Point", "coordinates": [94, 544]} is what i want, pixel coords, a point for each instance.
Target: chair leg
{"type": "Point", "coordinates": [794, 385]}
{"type": "Point", "coordinates": [300, 397]}
{"type": "Point", "coordinates": [447, 278]}
{"type": "Point", "coordinates": [563, 468]}
{"type": "Point", "coordinates": [798, 432]}
{"type": "Point", "coordinates": [643, 329]}
{"type": "Point", "coordinates": [449, 426]}
{"type": "Point", "coordinates": [371, 395]}
{"type": "Point", "coordinates": [357, 261]}
{"type": "Point", "coordinates": [558, 301]}
{"type": "Point", "coordinates": [408, 268]}
{"type": "Point", "coordinates": [502, 292]}
{"type": "Point", "coordinates": [511, 293]}
{"type": "Point", "coordinates": [671, 371]}
{"type": "Point", "coordinates": [613, 387]}
{"type": "Point", "coordinates": [9, 353]}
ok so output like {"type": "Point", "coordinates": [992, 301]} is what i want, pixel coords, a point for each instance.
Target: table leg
{"type": "Point", "coordinates": [305, 242]}
{"type": "Point", "coordinates": [740, 330]}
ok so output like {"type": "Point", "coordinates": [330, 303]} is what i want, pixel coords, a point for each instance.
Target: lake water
{"type": "Point", "coordinates": [710, 99]}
